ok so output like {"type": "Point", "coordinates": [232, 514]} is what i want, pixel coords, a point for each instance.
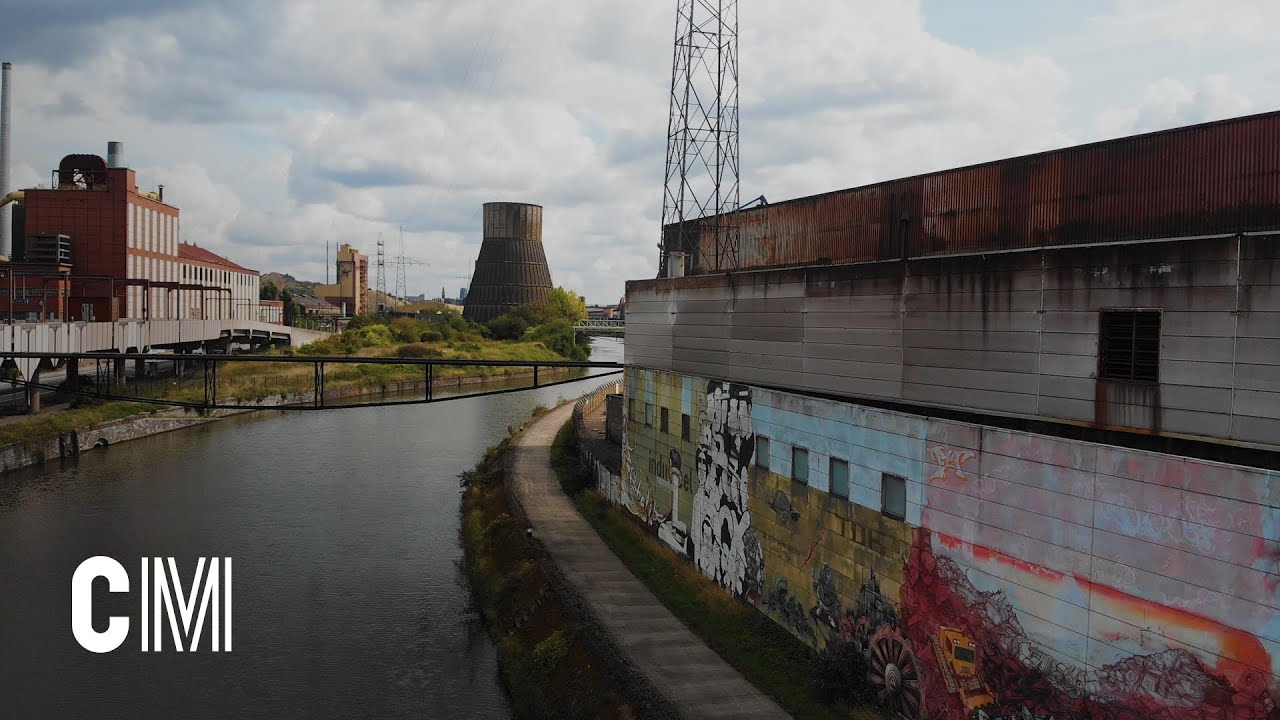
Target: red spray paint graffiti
{"type": "Point", "coordinates": [1022, 678]}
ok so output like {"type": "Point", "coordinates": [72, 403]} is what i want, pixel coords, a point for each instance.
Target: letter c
{"type": "Point", "coordinates": [82, 604]}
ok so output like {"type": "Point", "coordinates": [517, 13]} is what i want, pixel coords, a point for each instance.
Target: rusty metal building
{"type": "Point", "coordinates": [997, 288]}
{"type": "Point", "coordinates": [1012, 431]}
{"type": "Point", "coordinates": [1220, 177]}
{"type": "Point", "coordinates": [511, 269]}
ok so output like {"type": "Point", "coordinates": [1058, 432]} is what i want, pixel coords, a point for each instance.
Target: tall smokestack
{"type": "Point", "coordinates": [115, 154]}
{"type": "Point", "coordinates": [6, 242]}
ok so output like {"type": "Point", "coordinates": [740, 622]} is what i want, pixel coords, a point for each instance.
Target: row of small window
{"type": "Point", "coordinates": [893, 489]}
{"type": "Point", "coordinates": [664, 416]}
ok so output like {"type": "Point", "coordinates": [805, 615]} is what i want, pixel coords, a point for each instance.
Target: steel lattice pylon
{"type": "Point", "coordinates": [380, 287]}
{"type": "Point", "coordinates": [702, 177]}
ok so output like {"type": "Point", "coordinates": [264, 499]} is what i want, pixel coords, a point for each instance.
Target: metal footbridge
{"type": "Point", "coordinates": [199, 380]}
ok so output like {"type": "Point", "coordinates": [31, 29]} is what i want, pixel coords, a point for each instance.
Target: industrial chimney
{"type": "Point", "coordinates": [512, 267]}
{"type": "Point", "coordinates": [115, 154]}
{"type": "Point", "coordinates": [6, 241]}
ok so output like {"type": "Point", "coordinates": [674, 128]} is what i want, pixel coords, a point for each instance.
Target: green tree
{"type": "Point", "coordinates": [567, 304]}
{"type": "Point", "coordinates": [292, 310]}
{"type": "Point", "coordinates": [558, 336]}
{"type": "Point", "coordinates": [269, 291]}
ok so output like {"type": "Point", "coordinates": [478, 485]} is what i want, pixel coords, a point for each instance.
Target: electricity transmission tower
{"type": "Point", "coordinates": [401, 290]}
{"type": "Point", "coordinates": [380, 289]}
{"type": "Point", "coordinates": [400, 261]}
{"type": "Point", "coordinates": [702, 176]}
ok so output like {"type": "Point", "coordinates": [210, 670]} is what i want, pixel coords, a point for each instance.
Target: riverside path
{"type": "Point", "coordinates": [691, 675]}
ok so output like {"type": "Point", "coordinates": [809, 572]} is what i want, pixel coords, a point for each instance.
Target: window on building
{"type": "Point", "coordinates": [1129, 345]}
{"type": "Point", "coordinates": [762, 452]}
{"type": "Point", "coordinates": [893, 496]}
{"type": "Point", "coordinates": [648, 414]}
{"type": "Point", "coordinates": [839, 478]}
{"type": "Point", "coordinates": [684, 426]}
{"type": "Point", "coordinates": [800, 465]}
{"type": "Point", "coordinates": [662, 418]}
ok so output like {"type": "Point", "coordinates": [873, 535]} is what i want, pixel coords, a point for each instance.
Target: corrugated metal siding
{"type": "Point", "coordinates": [1221, 177]}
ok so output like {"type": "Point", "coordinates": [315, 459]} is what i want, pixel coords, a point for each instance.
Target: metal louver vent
{"type": "Point", "coordinates": [1129, 345]}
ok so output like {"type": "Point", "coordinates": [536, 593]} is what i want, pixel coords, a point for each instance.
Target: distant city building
{"type": "Point", "coordinates": [462, 294]}
{"type": "Point", "coordinates": [353, 282]}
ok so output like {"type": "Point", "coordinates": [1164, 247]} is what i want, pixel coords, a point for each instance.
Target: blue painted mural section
{"type": "Point", "coordinates": [873, 443]}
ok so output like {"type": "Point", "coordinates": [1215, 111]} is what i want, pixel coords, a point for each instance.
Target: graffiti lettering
{"type": "Point", "coordinates": [1157, 528]}
{"type": "Point", "coordinates": [949, 463]}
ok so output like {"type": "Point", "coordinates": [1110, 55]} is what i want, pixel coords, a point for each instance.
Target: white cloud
{"type": "Point", "coordinates": [278, 127]}
{"type": "Point", "coordinates": [1171, 103]}
{"type": "Point", "coordinates": [1198, 23]}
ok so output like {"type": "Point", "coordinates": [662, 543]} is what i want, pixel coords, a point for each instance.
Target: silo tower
{"type": "Point", "coordinates": [512, 267]}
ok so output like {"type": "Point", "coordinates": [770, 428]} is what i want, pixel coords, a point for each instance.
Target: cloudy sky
{"type": "Point", "coordinates": [278, 126]}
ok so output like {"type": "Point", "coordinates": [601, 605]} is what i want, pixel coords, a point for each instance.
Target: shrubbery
{"type": "Point", "coordinates": [549, 324]}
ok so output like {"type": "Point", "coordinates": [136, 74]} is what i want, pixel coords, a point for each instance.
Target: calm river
{"type": "Point", "coordinates": [343, 529]}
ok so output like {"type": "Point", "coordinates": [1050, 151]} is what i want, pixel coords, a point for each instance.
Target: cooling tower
{"type": "Point", "coordinates": [512, 268]}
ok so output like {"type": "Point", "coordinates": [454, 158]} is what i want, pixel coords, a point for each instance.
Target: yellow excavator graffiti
{"type": "Point", "coordinates": [958, 657]}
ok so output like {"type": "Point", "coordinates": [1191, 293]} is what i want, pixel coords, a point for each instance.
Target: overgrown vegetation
{"type": "Point", "coordinates": [549, 323]}
{"type": "Point", "coordinates": [806, 684]}
{"type": "Point", "coordinates": [546, 661]}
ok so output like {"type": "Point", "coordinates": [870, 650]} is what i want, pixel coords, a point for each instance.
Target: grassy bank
{"type": "Point", "coordinates": [39, 428]}
{"type": "Point", "coordinates": [256, 381]}
{"type": "Point", "coordinates": [548, 661]}
{"type": "Point", "coordinates": [766, 654]}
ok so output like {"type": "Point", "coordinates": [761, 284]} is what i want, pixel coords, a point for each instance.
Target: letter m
{"type": "Point", "coordinates": [186, 621]}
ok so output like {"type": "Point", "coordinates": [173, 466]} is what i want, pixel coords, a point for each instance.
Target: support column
{"type": "Point", "coordinates": [73, 374]}
{"type": "Point", "coordinates": [118, 364]}
{"type": "Point", "coordinates": [33, 400]}
{"type": "Point", "coordinates": [139, 370]}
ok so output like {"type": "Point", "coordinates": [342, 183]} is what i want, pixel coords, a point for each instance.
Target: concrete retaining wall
{"type": "Point", "coordinates": [69, 444]}
{"type": "Point", "coordinates": [593, 403]}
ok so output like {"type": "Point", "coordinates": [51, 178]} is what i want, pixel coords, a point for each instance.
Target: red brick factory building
{"type": "Point", "coordinates": [95, 247]}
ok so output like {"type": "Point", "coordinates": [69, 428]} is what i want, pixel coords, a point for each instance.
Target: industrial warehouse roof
{"type": "Point", "coordinates": [195, 253]}
{"type": "Point", "coordinates": [311, 302]}
{"type": "Point", "coordinates": [1214, 178]}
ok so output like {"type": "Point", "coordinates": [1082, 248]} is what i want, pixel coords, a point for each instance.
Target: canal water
{"type": "Point", "coordinates": [343, 529]}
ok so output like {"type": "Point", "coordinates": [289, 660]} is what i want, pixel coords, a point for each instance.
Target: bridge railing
{"type": "Point", "coordinates": [600, 326]}
{"type": "Point", "coordinates": [251, 382]}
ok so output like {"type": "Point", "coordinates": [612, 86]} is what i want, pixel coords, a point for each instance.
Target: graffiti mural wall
{"type": "Point", "coordinates": [984, 573]}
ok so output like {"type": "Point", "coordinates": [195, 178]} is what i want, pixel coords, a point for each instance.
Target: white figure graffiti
{"type": "Point", "coordinates": [673, 530]}
{"type": "Point", "coordinates": [721, 520]}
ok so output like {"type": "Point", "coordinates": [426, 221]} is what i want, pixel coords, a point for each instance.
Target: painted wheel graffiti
{"type": "Point", "coordinates": [894, 673]}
